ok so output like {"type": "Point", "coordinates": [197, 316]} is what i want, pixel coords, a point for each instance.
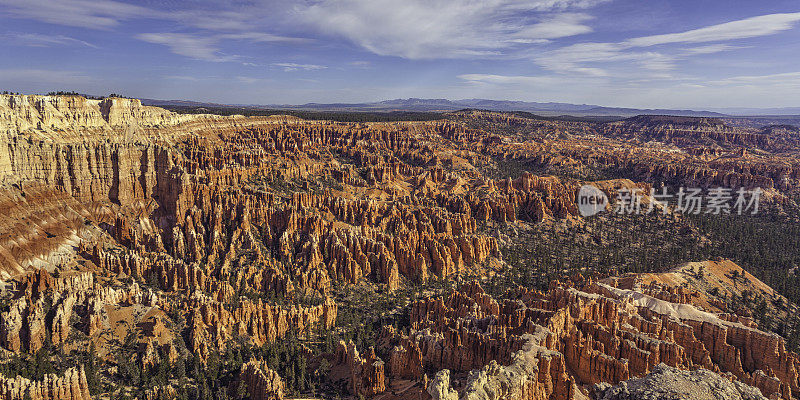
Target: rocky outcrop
{"type": "Point", "coordinates": [69, 114]}
{"type": "Point", "coordinates": [721, 345]}
{"type": "Point", "coordinates": [211, 325]}
{"type": "Point", "coordinates": [685, 131]}
{"type": "Point", "coordinates": [568, 337]}
{"type": "Point", "coordinates": [439, 387]}
{"type": "Point", "coordinates": [468, 332]}
{"type": "Point", "coordinates": [406, 360]}
{"type": "Point", "coordinates": [666, 383]}
{"type": "Point", "coordinates": [51, 311]}
{"type": "Point", "coordinates": [367, 373]}
{"type": "Point", "coordinates": [71, 386]}
{"type": "Point", "coordinates": [262, 383]}
{"type": "Point", "coordinates": [534, 373]}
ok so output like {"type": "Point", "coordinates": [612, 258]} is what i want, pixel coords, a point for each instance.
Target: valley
{"type": "Point", "coordinates": [151, 254]}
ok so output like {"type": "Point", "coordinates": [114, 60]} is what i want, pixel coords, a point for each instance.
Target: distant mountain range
{"type": "Point", "coordinates": [544, 109]}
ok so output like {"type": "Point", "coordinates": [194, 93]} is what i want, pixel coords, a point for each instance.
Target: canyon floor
{"type": "Point", "coordinates": [151, 254]}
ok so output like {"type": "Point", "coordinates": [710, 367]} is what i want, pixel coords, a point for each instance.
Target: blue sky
{"type": "Point", "coordinates": [633, 53]}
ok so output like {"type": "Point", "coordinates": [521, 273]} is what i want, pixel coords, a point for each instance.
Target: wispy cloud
{"type": "Point", "coordinates": [746, 28]}
{"type": "Point", "coordinates": [360, 64]}
{"type": "Point", "coordinates": [289, 67]}
{"type": "Point", "coordinates": [218, 18]}
{"type": "Point", "coordinates": [90, 14]}
{"type": "Point", "coordinates": [711, 49]}
{"type": "Point", "coordinates": [260, 37]}
{"type": "Point", "coordinates": [192, 46]}
{"type": "Point", "coordinates": [207, 47]}
{"type": "Point", "coordinates": [766, 90]}
{"type": "Point", "coordinates": [429, 29]}
{"type": "Point", "coordinates": [556, 26]}
{"type": "Point", "coordinates": [38, 40]}
{"type": "Point", "coordinates": [215, 25]}
{"type": "Point", "coordinates": [580, 58]}
{"type": "Point", "coordinates": [584, 57]}
{"type": "Point", "coordinates": [509, 80]}
{"type": "Point", "coordinates": [783, 79]}
{"type": "Point", "coordinates": [251, 81]}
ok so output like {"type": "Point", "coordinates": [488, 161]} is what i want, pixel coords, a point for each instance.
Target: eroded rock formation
{"type": "Point", "coordinates": [262, 382]}
{"type": "Point", "coordinates": [198, 233]}
{"type": "Point", "coordinates": [71, 386]}
{"type": "Point", "coordinates": [367, 372]}
{"type": "Point", "coordinates": [549, 345]}
{"type": "Point", "coordinates": [665, 383]}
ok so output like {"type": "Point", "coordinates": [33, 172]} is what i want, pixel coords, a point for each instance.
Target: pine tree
{"type": "Point", "coordinates": [212, 366]}
{"type": "Point", "coordinates": [241, 391]}
{"type": "Point", "coordinates": [301, 374]}
{"type": "Point", "coordinates": [179, 370]}
{"type": "Point", "coordinates": [91, 369]}
{"type": "Point", "coordinates": [162, 372]}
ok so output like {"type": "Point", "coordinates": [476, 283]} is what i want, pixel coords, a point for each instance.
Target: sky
{"type": "Point", "coordinates": [697, 54]}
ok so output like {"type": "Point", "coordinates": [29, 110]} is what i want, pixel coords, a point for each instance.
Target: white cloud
{"type": "Point", "coordinates": [770, 90]}
{"type": "Point", "coordinates": [105, 14]}
{"type": "Point", "coordinates": [587, 58]}
{"type": "Point", "coordinates": [207, 48]}
{"type": "Point", "coordinates": [360, 64]}
{"type": "Point", "coordinates": [711, 49]}
{"type": "Point", "coordinates": [289, 67]}
{"type": "Point", "coordinates": [251, 81]}
{"type": "Point", "coordinates": [782, 79]}
{"type": "Point", "coordinates": [746, 28]}
{"type": "Point", "coordinates": [91, 14]}
{"type": "Point", "coordinates": [197, 47]}
{"type": "Point", "coordinates": [38, 40]}
{"type": "Point", "coordinates": [427, 29]}
{"type": "Point", "coordinates": [216, 19]}
{"type": "Point", "coordinates": [559, 25]}
{"type": "Point", "coordinates": [509, 80]}
{"type": "Point", "coordinates": [260, 37]}
{"type": "Point", "coordinates": [542, 88]}
{"type": "Point", "coordinates": [582, 58]}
